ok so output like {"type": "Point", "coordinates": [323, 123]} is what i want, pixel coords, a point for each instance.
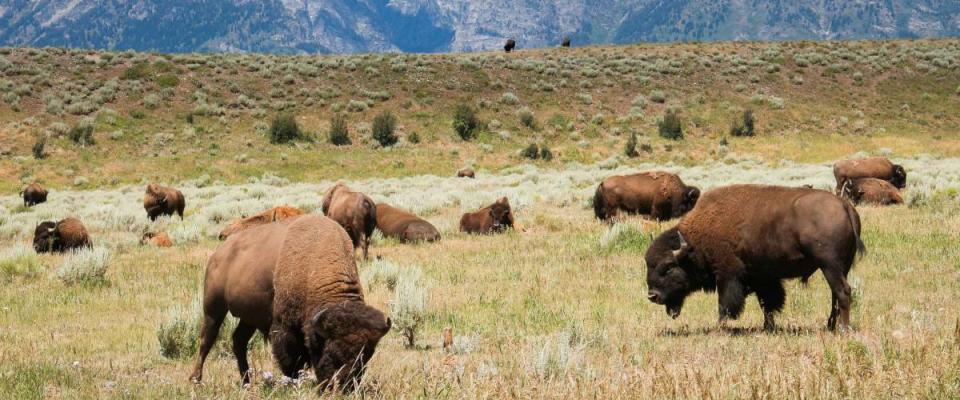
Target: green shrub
{"type": "Point", "coordinates": [532, 151]}
{"type": "Point", "coordinates": [38, 147]}
{"type": "Point", "coordinates": [413, 137]}
{"type": "Point", "coordinates": [138, 71]}
{"type": "Point", "coordinates": [167, 81]}
{"type": "Point", "coordinates": [82, 132]}
{"type": "Point", "coordinates": [545, 153]}
{"type": "Point", "coordinates": [526, 117]}
{"type": "Point", "coordinates": [19, 260]}
{"type": "Point", "coordinates": [408, 308]}
{"type": "Point", "coordinates": [669, 127]}
{"type": "Point", "coordinates": [137, 114]}
{"type": "Point", "coordinates": [284, 129]}
{"type": "Point", "coordinates": [384, 126]}
{"type": "Point", "coordinates": [465, 121]}
{"type": "Point", "coordinates": [339, 133]}
{"type": "Point", "coordinates": [743, 126]}
{"type": "Point", "coordinates": [657, 96]}
{"type": "Point", "coordinates": [630, 149]}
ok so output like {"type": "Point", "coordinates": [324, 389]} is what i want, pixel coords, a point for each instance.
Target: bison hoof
{"type": "Point", "coordinates": [196, 379]}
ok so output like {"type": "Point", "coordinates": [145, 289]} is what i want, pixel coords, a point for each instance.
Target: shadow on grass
{"type": "Point", "coordinates": [737, 331]}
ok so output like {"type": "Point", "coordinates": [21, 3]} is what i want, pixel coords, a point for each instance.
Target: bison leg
{"type": "Point", "coordinates": [241, 337]}
{"type": "Point", "coordinates": [288, 350]}
{"type": "Point", "coordinates": [209, 330]}
{"type": "Point", "coordinates": [840, 305]}
{"type": "Point", "coordinates": [732, 296]}
{"type": "Point", "coordinates": [366, 243]}
{"type": "Point", "coordinates": [771, 297]}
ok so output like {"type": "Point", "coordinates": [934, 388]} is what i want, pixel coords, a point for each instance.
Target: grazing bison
{"type": "Point", "coordinates": [510, 45]}
{"type": "Point", "coordinates": [156, 239]}
{"type": "Point", "coordinates": [565, 42]}
{"type": "Point", "coordinates": [871, 191]}
{"type": "Point", "coordinates": [33, 194]}
{"type": "Point", "coordinates": [296, 282]}
{"type": "Point", "coordinates": [394, 222]}
{"type": "Point", "coordinates": [744, 239]}
{"type": "Point", "coordinates": [466, 173]}
{"type": "Point", "coordinates": [661, 195]}
{"type": "Point", "coordinates": [68, 234]}
{"type": "Point", "coordinates": [272, 215]}
{"type": "Point", "coordinates": [494, 218]}
{"type": "Point", "coordinates": [356, 212]}
{"type": "Point", "coordinates": [162, 200]}
{"type": "Point", "coordinates": [873, 167]}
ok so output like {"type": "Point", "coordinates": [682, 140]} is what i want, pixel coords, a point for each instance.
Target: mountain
{"type": "Point", "coordinates": [348, 26]}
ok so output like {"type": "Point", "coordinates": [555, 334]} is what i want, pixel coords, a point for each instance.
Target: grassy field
{"type": "Point", "coordinates": [556, 310]}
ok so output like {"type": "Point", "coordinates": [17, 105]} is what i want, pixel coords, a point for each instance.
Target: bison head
{"type": "Point", "coordinates": [501, 214]}
{"type": "Point", "coordinates": [45, 237]}
{"type": "Point", "coordinates": [347, 334]}
{"type": "Point", "coordinates": [899, 178]}
{"type": "Point", "coordinates": [690, 197]}
{"type": "Point", "coordinates": [672, 274]}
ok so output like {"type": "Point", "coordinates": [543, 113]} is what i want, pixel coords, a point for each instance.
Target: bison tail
{"type": "Point", "coordinates": [855, 224]}
{"type": "Point", "coordinates": [369, 217]}
{"type": "Point", "coordinates": [599, 207]}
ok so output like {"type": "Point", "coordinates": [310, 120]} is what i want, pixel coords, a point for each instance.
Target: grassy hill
{"type": "Point", "coordinates": [813, 101]}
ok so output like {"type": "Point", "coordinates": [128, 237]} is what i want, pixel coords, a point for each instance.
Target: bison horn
{"type": "Point", "coordinates": [389, 323]}
{"type": "Point", "coordinates": [318, 316]}
{"type": "Point", "coordinates": [50, 230]}
{"type": "Point", "coordinates": [683, 246]}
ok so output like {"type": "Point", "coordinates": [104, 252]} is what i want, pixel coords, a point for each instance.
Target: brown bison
{"type": "Point", "coordinates": [565, 42]}
{"type": "Point", "coordinates": [296, 282]}
{"type": "Point", "coordinates": [744, 239]}
{"type": "Point", "coordinates": [494, 218]}
{"type": "Point", "coordinates": [356, 212]}
{"type": "Point", "coordinates": [871, 191]}
{"type": "Point", "coordinates": [873, 167]}
{"type": "Point", "coordinates": [272, 215]}
{"type": "Point", "coordinates": [156, 239]}
{"type": "Point", "coordinates": [510, 45]}
{"type": "Point", "coordinates": [466, 173]}
{"type": "Point", "coordinates": [661, 195]}
{"type": "Point", "coordinates": [394, 222]}
{"type": "Point", "coordinates": [68, 234]}
{"type": "Point", "coordinates": [33, 194]}
{"type": "Point", "coordinates": [162, 200]}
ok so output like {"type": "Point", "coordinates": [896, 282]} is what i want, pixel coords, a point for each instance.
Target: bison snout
{"type": "Point", "coordinates": [654, 297]}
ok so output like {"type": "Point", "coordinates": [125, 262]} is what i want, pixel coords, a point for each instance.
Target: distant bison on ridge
{"type": "Point", "coordinates": [660, 195]}
{"type": "Point", "coordinates": [510, 45]}
{"type": "Point", "coordinates": [565, 42]}
{"type": "Point", "coordinates": [272, 215]}
{"type": "Point", "coordinates": [871, 191]}
{"type": "Point", "coordinates": [873, 167]}
{"type": "Point", "coordinates": [394, 222]}
{"type": "Point", "coordinates": [33, 194]}
{"type": "Point", "coordinates": [494, 218]}
{"type": "Point", "coordinates": [68, 234]}
{"type": "Point", "coordinates": [161, 200]}
{"type": "Point", "coordinates": [354, 211]}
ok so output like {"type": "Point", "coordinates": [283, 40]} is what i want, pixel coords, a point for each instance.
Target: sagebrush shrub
{"type": "Point", "coordinates": [408, 307]}
{"type": "Point", "coordinates": [87, 266]}
{"type": "Point", "coordinates": [669, 127]}
{"type": "Point", "coordinates": [743, 126]}
{"type": "Point", "coordinates": [284, 129]}
{"type": "Point", "coordinates": [465, 122]}
{"type": "Point", "coordinates": [526, 117]}
{"type": "Point", "coordinates": [19, 260]}
{"type": "Point", "coordinates": [38, 147]}
{"type": "Point", "coordinates": [532, 151]}
{"type": "Point", "coordinates": [339, 132]}
{"type": "Point", "coordinates": [384, 126]}
{"type": "Point", "coordinates": [82, 132]}
{"type": "Point", "coordinates": [658, 96]}
{"type": "Point", "coordinates": [630, 149]}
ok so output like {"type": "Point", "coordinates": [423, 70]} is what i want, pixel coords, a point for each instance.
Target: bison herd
{"type": "Point", "coordinates": [293, 276]}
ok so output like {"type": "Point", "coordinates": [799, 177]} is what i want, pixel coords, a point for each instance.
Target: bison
{"type": "Point", "coordinates": [873, 167]}
{"type": "Point", "coordinates": [565, 42]}
{"type": "Point", "coordinates": [296, 282]}
{"type": "Point", "coordinates": [466, 173]}
{"type": "Point", "coordinates": [66, 235]}
{"type": "Point", "coordinates": [156, 239]}
{"type": "Point", "coordinates": [272, 215]}
{"type": "Point", "coordinates": [33, 194]}
{"type": "Point", "coordinates": [162, 200]}
{"type": "Point", "coordinates": [394, 222]}
{"type": "Point", "coordinates": [871, 191]}
{"type": "Point", "coordinates": [660, 195]}
{"type": "Point", "coordinates": [494, 218]}
{"type": "Point", "coordinates": [510, 45]}
{"type": "Point", "coordinates": [356, 212]}
{"type": "Point", "coordinates": [744, 239]}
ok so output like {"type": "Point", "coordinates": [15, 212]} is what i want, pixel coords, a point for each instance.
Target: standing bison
{"type": "Point", "coordinates": [33, 194]}
{"type": "Point", "coordinates": [510, 45]}
{"type": "Point", "coordinates": [871, 191]}
{"type": "Point", "coordinates": [66, 235]}
{"type": "Point", "coordinates": [354, 211]}
{"type": "Point", "coordinates": [162, 200]}
{"type": "Point", "coordinates": [565, 42]}
{"type": "Point", "coordinates": [744, 239]}
{"type": "Point", "coordinates": [873, 167]}
{"type": "Point", "coordinates": [660, 195]}
{"type": "Point", "coordinates": [494, 218]}
{"type": "Point", "coordinates": [272, 215]}
{"type": "Point", "coordinates": [394, 222]}
{"type": "Point", "coordinates": [296, 282]}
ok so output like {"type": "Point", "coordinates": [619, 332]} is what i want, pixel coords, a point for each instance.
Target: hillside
{"type": "Point", "coordinates": [813, 102]}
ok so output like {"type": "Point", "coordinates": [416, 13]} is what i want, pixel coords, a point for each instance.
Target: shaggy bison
{"type": "Point", "coordinates": [356, 212]}
{"type": "Point", "coordinates": [510, 45]}
{"type": "Point", "coordinates": [162, 200]}
{"type": "Point", "coordinates": [873, 167]}
{"type": "Point", "coordinates": [744, 239]}
{"type": "Point", "coordinates": [296, 282]}
{"type": "Point", "coordinates": [33, 194]}
{"type": "Point", "coordinates": [272, 215]}
{"type": "Point", "coordinates": [394, 222]}
{"type": "Point", "coordinates": [156, 239]}
{"type": "Point", "coordinates": [565, 42]}
{"type": "Point", "coordinates": [494, 218]}
{"type": "Point", "coordinates": [871, 191]}
{"type": "Point", "coordinates": [68, 234]}
{"type": "Point", "coordinates": [466, 173]}
{"type": "Point", "coordinates": [661, 195]}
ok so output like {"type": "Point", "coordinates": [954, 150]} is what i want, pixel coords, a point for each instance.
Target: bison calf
{"type": "Point", "coordinates": [871, 191]}
{"type": "Point", "coordinates": [660, 195]}
{"type": "Point", "coordinates": [68, 234]}
{"type": "Point", "coordinates": [156, 239]}
{"type": "Point", "coordinates": [272, 215]}
{"type": "Point", "coordinates": [33, 194]}
{"type": "Point", "coordinates": [873, 167]}
{"type": "Point", "coordinates": [354, 211]}
{"type": "Point", "coordinates": [161, 200]}
{"type": "Point", "coordinates": [394, 222]}
{"type": "Point", "coordinates": [494, 218]}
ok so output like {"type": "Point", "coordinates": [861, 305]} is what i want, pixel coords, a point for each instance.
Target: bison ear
{"type": "Point", "coordinates": [503, 200]}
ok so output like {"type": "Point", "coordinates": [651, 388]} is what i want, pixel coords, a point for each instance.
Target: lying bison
{"type": "Point", "coordinates": [161, 200]}
{"type": "Point", "coordinates": [156, 239]}
{"type": "Point", "coordinates": [272, 215]}
{"type": "Point", "coordinates": [494, 218]}
{"type": "Point", "coordinates": [66, 235]}
{"type": "Point", "coordinates": [354, 211]}
{"type": "Point", "coordinates": [394, 222]}
{"type": "Point", "coordinates": [871, 191]}
{"type": "Point", "coordinates": [510, 45]}
{"type": "Point", "coordinates": [296, 282]}
{"type": "Point", "coordinates": [873, 167]}
{"type": "Point", "coordinates": [466, 173]}
{"type": "Point", "coordinates": [33, 194]}
{"type": "Point", "coordinates": [746, 239]}
{"type": "Point", "coordinates": [660, 195]}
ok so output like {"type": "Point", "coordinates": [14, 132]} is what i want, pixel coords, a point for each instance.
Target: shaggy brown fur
{"type": "Point", "coordinates": [873, 167]}
{"type": "Point", "coordinates": [745, 239]}
{"type": "Point", "coordinates": [296, 282]}
{"type": "Point", "coordinates": [660, 195]}
{"type": "Point", "coordinates": [494, 218]}
{"type": "Point", "coordinates": [161, 200]}
{"type": "Point", "coordinates": [466, 173]}
{"type": "Point", "coordinates": [33, 194]}
{"type": "Point", "coordinates": [356, 212]}
{"type": "Point", "coordinates": [68, 234]}
{"type": "Point", "coordinates": [272, 215]}
{"type": "Point", "coordinates": [156, 239]}
{"type": "Point", "coordinates": [871, 191]}
{"type": "Point", "coordinates": [394, 222]}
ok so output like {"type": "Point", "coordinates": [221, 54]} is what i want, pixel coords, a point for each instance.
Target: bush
{"type": "Point", "coordinates": [532, 151]}
{"type": "Point", "coordinates": [167, 81]}
{"type": "Point", "coordinates": [669, 126]}
{"type": "Point", "coordinates": [384, 126]}
{"type": "Point", "coordinates": [339, 133]}
{"type": "Point", "coordinates": [743, 126]}
{"type": "Point", "coordinates": [87, 266]}
{"type": "Point", "coordinates": [465, 121]}
{"type": "Point", "coordinates": [178, 334]}
{"type": "Point", "coordinates": [509, 99]}
{"type": "Point", "coordinates": [82, 132]}
{"type": "Point", "coordinates": [409, 304]}
{"type": "Point", "coordinates": [357, 106]}
{"type": "Point", "coordinates": [526, 117]}
{"type": "Point", "coordinates": [136, 72]}
{"type": "Point", "coordinates": [545, 154]}
{"type": "Point", "coordinates": [19, 260]}
{"type": "Point", "coordinates": [284, 129]}
{"type": "Point", "coordinates": [630, 149]}
{"type": "Point", "coordinates": [658, 96]}
{"type": "Point", "coordinates": [413, 137]}
{"type": "Point", "coordinates": [38, 147]}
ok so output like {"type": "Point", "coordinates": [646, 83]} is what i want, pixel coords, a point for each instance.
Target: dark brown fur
{"type": "Point", "coordinates": [34, 194]}
{"type": "Point", "coordinates": [466, 173]}
{"type": "Point", "coordinates": [272, 215]}
{"type": "Point", "coordinates": [161, 200]}
{"type": "Point", "coordinates": [356, 212]}
{"type": "Point", "coordinates": [394, 222]}
{"type": "Point", "coordinates": [509, 45]}
{"type": "Point", "coordinates": [660, 195]}
{"type": "Point", "coordinates": [565, 42]}
{"type": "Point", "coordinates": [871, 191]}
{"type": "Point", "coordinates": [494, 218]}
{"type": "Point", "coordinates": [68, 234]}
{"type": "Point", "coordinates": [873, 167]}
